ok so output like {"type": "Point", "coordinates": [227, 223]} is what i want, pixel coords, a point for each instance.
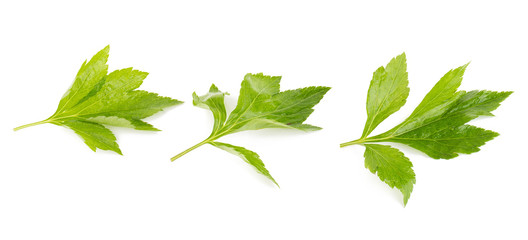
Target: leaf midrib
{"type": "Point", "coordinates": [268, 113]}
{"type": "Point", "coordinates": [222, 132]}
{"type": "Point", "coordinates": [98, 100]}
{"type": "Point", "coordinates": [389, 163]}
{"type": "Point", "coordinates": [446, 116]}
{"type": "Point", "coordinates": [75, 93]}
{"type": "Point", "coordinates": [381, 103]}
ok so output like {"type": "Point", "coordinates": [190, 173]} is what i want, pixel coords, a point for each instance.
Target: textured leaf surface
{"type": "Point", "coordinates": [439, 129]}
{"type": "Point", "coordinates": [87, 79]}
{"type": "Point", "coordinates": [248, 156]}
{"type": "Point", "coordinates": [95, 135]}
{"type": "Point", "coordinates": [214, 101]}
{"type": "Point", "coordinates": [437, 102]}
{"type": "Point", "coordinates": [447, 135]}
{"type": "Point", "coordinates": [260, 105]}
{"type": "Point", "coordinates": [96, 99]}
{"type": "Point", "coordinates": [392, 168]}
{"type": "Point", "coordinates": [445, 141]}
{"type": "Point", "coordinates": [387, 93]}
{"type": "Point", "coordinates": [437, 126]}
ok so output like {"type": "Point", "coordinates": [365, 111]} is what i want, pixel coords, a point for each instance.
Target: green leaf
{"type": "Point", "coordinates": [447, 135]}
{"type": "Point", "coordinates": [392, 167]}
{"type": "Point", "coordinates": [260, 105]}
{"type": "Point", "coordinates": [249, 156]}
{"type": "Point", "coordinates": [214, 101]}
{"type": "Point", "coordinates": [438, 125]}
{"type": "Point", "coordinates": [136, 104]}
{"type": "Point", "coordinates": [442, 132]}
{"type": "Point", "coordinates": [87, 79]}
{"type": "Point", "coordinates": [96, 99]}
{"type": "Point", "coordinates": [387, 93]}
{"type": "Point", "coordinates": [445, 141]}
{"type": "Point", "coordinates": [436, 102]}
{"type": "Point", "coordinates": [95, 135]}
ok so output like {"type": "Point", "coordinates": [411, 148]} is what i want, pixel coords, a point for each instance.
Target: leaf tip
{"type": "Point", "coordinates": [464, 67]}
{"type": "Point", "coordinates": [325, 89]}
{"type": "Point", "coordinates": [273, 180]}
{"type": "Point", "coordinates": [175, 101]}
{"type": "Point", "coordinates": [406, 190]}
{"type": "Point", "coordinates": [213, 88]}
{"type": "Point", "coordinates": [105, 50]}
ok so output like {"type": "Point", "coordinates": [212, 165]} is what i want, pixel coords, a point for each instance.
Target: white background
{"type": "Point", "coordinates": [52, 186]}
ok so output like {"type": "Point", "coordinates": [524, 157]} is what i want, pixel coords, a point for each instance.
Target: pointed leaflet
{"type": "Point", "coordinates": [117, 83]}
{"type": "Point", "coordinates": [132, 106]}
{"type": "Point", "coordinates": [95, 135]}
{"type": "Point", "coordinates": [436, 102]}
{"type": "Point", "coordinates": [444, 141]}
{"type": "Point", "coordinates": [260, 105]}
{"type": "Point", "coordinates": [392, 167]}
{"type": "Point", "coordinates": [248, 156]}
{"type": "Point", "coordinates": [387, 93]}
{"type": "Point", "coordinates": [96, 99]}
{"type": "Point", "coordinates": [447, 135]}
{"type": "Point", "coordinates": [438, 126]}
{"type": "Point", "coordinates": [213, 101]}
{"type": "Point", "coordinates": [87, 78]}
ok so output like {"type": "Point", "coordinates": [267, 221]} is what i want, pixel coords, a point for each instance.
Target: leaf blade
{"type": "Point", "coordinates": [137, 104]}
{"type": "Point", "coordinates": [95, 135]}
{"type": "Point", "coordinates": [436, 102]}
{"type": "Point", "coordinates": [87, 78]}
{"type": "Point", "coordinates": [248, 156]}
{"type": "Point", "coordinates": [214, 101]}
{"type": "Point", "coordinates": [392, 167]}
{"type": "Point", "coordinates": [447, 142]}
{"type": "Point", "coordinates": [255, 88]}
{"type": "Point", "coordinates": [261, 105]}
{"type": "Point", "coordinates": [387, 93]}
{"type": "Point", "coordinates": [446, 135]}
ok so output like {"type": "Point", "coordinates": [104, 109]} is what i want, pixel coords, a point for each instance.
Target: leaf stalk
{"type": "Point", "coordinates": [364, 140]}
{"type": "Point", "coordinates": [208, 140]}
{"type": "Point", "coordinates": [31, 125]}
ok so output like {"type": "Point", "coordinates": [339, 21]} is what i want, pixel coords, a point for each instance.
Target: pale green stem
{"type": "Point", "coordinates": [191, 148]}
{"type": "Point", "coordinates": [363, 140]}
{"type": "Point", "coordinates": [31, 124]}
{"type": "Point", "coordinates": [357, 141]}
